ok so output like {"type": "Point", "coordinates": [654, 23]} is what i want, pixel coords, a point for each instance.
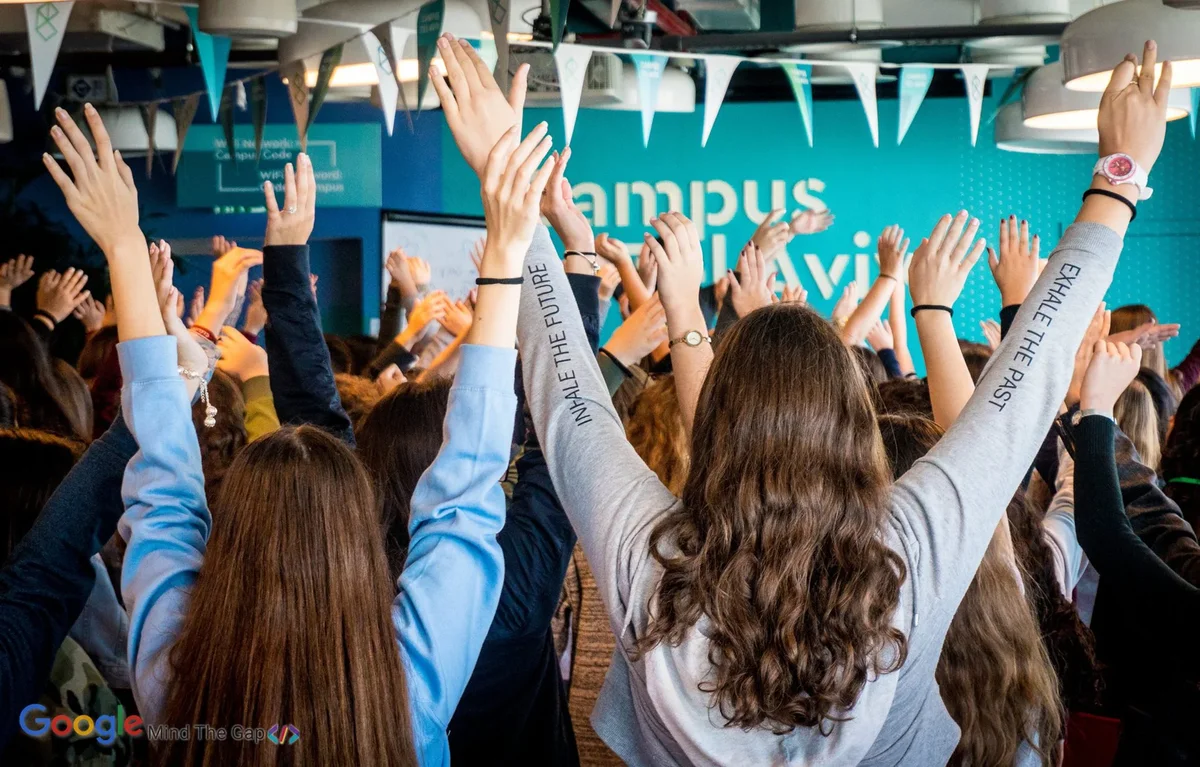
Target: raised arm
{"type": "Point", "coordinates": [680, 264]}
{"type": "Point", "coordinates": [892, 248]}
{"type": "Point", "coordinates": [301, 373]}
{"type": "Point", "coordinates": [1016, 268]}
{"type": "Point", "coordinates": [948, 504]}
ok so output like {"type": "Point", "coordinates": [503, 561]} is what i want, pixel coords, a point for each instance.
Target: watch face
{"type": "Point", "coordinates": [1119, 166]}
{"type": "Point", "coordinates": [693, 338]}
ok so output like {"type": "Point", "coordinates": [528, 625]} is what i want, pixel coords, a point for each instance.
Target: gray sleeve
{"type": "Point", "coordinates": [608, 493]}
{"type": "Point", "coordinates": [946, 507]}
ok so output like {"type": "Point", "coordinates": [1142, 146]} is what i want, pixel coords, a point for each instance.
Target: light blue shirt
{"type": "Point", "coordinates": [451, 581]}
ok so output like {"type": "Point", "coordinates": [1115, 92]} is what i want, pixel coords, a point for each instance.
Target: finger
{"type": "Point", "coordinates": [79, 299]}
{"type": "Point", "coordinates": [541, 180]}
{"type": "Point", "coordinates": [482, 72]}
{"type": "Point", "coordinates": [522, 178]}
{"type": "Point", "coordinates": [74, 160]}
{"type": "Point", "coordinates": [1036, 249]}
{"type": "Point", "coordinates": [104, 148]}
{"type": "Point", "coordinates": [973, 256]}
{"type": "Point", "coordinates": [446, 97]}
{"type": "Point", "coordinates": [60, 177]}
{"type": "Point", "coordinates": [79, 142]}
{"type": "Point", "coordinates": [1163, 92]}
{"type": "Point", "coordinates": [271, 203]}
{"type": "Point", "coordinates": [734, 287]}
{"type": "Point", "coordinates": [1003, 236]}
{"type": "Point", "coordinates": [934, 241]}
{"type": "Point", "coordinates": [289, 187]}
{"type": "Point", "coordinates": [526, 147]}
{"type": "Point", "coordinates": [1024, 240]}
{"type": "Point", "coordinates": [498, 158]}
{"type": "Point", "coordinates": [1146, 75]}
{"type": "Point", "coordinates": [655, 250]}
{"type": "Point", "coordinates": [774, 216]}
{"type": "Point", "coordinates": [516, 93]}
{"type": "Point", "coordinates": [558, 172]}
{"type": "Point", "coordinates": [303, 175]}
{"type": "Point", "coordinates": [1106, 324]}
{"type": "Point", "coordinates": [454, 71]}
{"type": "Point", "coordinates": [670, 245]}
{"type": "Point", "coordinates": [462, 52]}
{"type": "Point", "coordinates": [1121, 76]}
{"type": "Point", "coordinates": [965, 242]}
{"type": "Point", "coordinates": [1135, 350]}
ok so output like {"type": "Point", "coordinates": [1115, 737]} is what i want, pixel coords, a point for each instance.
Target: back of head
{"type": "Point", "coordinates": [655, 429]}
{"type": "Point", "coordinates": [1135, 414]}
{"type": "Point", "coordinates": [1181, 457]}
{"type": "Point", "coordinates": [95, 350]}
{"type": "Point", "coordinates": [1129, 317]}
{"type": "Point", "coordinates": [26, 368]}
{"type": "Point", "coordinates": [76, 397]}
{"type": "Point", "coordinates": [8, 407]}
{"type": "Point", "coordinates": [976, 356]}
{"type": "Point", "coordinates": [398, 440]}
{"type": "Point", "coordinates": [905, 396]}
{"type": "Point", "coordinates": [1163, 398]}
{"type": "Point", "coordinates": [362, 352]}
{"type": "Point", "coordinates": [340, 355]}
{"type": "Point", "coordinates": [35, 463]}
{"type": "Point", "coordinates": [220, 443]}
{"type": "Point", "coordinates": [294, 588]}
{"type": "Point", "coordinates": [907, 438]}
{"type": "Point", "coordinates": [869, 363]}
{"type": "Point", "coordinates": [358, 395]}
{"type": "Point", "coordinates": [780, 523]}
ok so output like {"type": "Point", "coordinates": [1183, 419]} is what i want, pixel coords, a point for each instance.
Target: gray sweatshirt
{"type": "Point", "coordinates": [942, 515]}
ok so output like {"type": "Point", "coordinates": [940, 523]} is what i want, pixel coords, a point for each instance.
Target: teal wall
{"type": "Point", "coordinates": [757, 147]}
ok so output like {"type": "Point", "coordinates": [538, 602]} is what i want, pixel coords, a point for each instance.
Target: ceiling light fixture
{"type": "Point", "coordinates": [1048, 104]}
{"type": "Point", "coordinates": [1093, 44]}
{"type": "Point", "coordinates": [1012, 135]}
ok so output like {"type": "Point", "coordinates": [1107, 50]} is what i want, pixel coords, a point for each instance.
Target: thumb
{"type": "Point", "coordinates": [734, 287]}
{"type": "Point", "coordinates": [516, 93]}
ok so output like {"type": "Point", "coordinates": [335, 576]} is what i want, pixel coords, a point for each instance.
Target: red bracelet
{"type": "Point", "coordinates": [204, 332]}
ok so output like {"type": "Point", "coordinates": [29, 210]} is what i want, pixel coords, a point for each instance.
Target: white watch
{"type": "Point", "coordinates": [1120, 169]}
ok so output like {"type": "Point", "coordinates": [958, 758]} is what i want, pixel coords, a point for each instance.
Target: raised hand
{"type": "Point", "coordinates": [256, 311]}
{"type": "Point", "coordinates": [59, 294]}
{"type": "Point", "coordinates": [1147, 335]}
{"type": "Point", "coordinates": [195, 306]}
{"type": "Point", "coordinates": [389, 378]}
{"type": "Point", "coordinates": [1133, 112]}
{"type": "Point", "coordinates": [810, 221]}
{"type": "Point", "coordinates": [1018, 266]}
{"type": "Point", "coordinates": [647, 267]}
{"type": "Point", "coordinates": [221, 246]}
{"type": "Point", "coordinates": [847, 302]}
{"type": "Point", "coordinates": [642, 332]}
{"type": "Point", "coordinates": [457, 318]}
{"type": "Point", "coordinates": [612, 250]}
{"type": "Point", "coordinates": [1097, 330]}
{"type": "Point", "coordinates": [431, 308]}
{"type": "Point", "coordinates": [772, 234]}
{"type": "Point", "coordinates": [753, 286]}
{"type": "Point", "coordinates": [793, 295]}
{"type": "Point", "coordinates": [91, 313]}
{"type": "Point", "coordinates": [477, 112]}
{"type": "Point", "coordinates": [940, 266]}
{"type": "Point", "coordinates": [294, 224]}
{"type": "Point", "coordinates": [558, 206]}
{"type": "Point", "coordinates": [892, 247]}
{"type": "Point", "coordinates": [513, 184]}
{"type": "Point", "coordinates": [15, 272]}
{"type": "Point", "coordinates": [610, 278]}
{"type": "Point", "coordinates": [229, 276]}
{"type": "Point", "coordinates": [879, 336]}
{"type": "Point", "coordinates": [168, 300]}
{"type": "Point", "coordinates": [1112, 369]}
{"type": "Point", "coordinates": [679, 261]}
{"type": "Point", "coordinates": [991, 332]}
{"type": "Point", "coordinates": [240, 358]}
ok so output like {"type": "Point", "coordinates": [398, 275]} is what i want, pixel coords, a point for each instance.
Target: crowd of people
{"type": "Point", "coordinates": [738, 532]}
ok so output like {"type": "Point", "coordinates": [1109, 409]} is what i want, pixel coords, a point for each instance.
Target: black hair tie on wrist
{"type": "Point", "coordinates": [48, 316]}
{"type": "Point", "coordinates": [1114, 196]}
{"type": "Point", "coordinates": [499, 280]}
{"type": "Point", "coordinates": [932, 307]}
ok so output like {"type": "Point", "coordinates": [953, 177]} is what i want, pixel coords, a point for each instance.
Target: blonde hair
{"type": "Point", "coordinates": [1137, 417]}
{"type": "Point", "coordinates": [1131, 316]}
{"type": "Point", "coordinates": [655, 429]}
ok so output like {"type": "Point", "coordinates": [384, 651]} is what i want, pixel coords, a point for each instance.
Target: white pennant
{"type": "Point", "coordinates": [389, 89]}
{"type": "Point", "coordinates": [864, 74]}
{"type": "Point", "coordinates": [572, 62]}
{"type": "Point", "coordinates": [975, 78]}
{"type": "Point", "coordinates": [718, 71]}
{"type": "Point", "coordinates": [650, 70]}
{"type": "Point", "coordinates": [46, 23]}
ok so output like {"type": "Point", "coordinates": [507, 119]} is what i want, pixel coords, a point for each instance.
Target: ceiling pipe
{"type": "Point", "coordinates": [773, 41]}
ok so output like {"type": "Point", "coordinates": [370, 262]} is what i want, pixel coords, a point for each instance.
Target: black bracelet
{"type": "Point", "coordinates": [499, 280]}
{"type": "Point", "coordinates": [47, 315]}
{"type": "Point", "coordinates": [934, 307]}
{"type": "Point", "coordinates": [588, 254]}
{"type": "Point", "coordinates": [1114, 196]}
{"type": "Point", "coordinates": [883, 276]}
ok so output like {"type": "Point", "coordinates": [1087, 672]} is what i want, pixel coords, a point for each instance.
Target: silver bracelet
{"type": "Point", "coordinates": [210, 412]}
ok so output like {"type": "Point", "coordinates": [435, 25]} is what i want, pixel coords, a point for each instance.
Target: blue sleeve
{"type": "Point", "coordinates": [890, 363]}
{"type": "Point", "coordinates": [49, 576]}
{"type": "Point", "coordinates": [166, 521]}
{"type": "Point", "coordinates": [455, 568]}
{"type": "Point", "coordinates": [301, 374]}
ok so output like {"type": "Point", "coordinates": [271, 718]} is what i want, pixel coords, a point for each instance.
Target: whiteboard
{"type": "Point", "coordinates": [444, 241]}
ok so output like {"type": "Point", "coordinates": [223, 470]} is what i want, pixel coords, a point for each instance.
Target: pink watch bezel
{"type": "Point", "coordinates": [1113, 177]}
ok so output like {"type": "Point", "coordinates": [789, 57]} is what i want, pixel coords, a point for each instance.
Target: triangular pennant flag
{"type": "Point", "coordinates": [294, 74]}
{"type": "Point", "coordinates": [864, 73]}
{"type": "Point", "coordinates": [614, 10]}
{"type": "Point", "coordinates": [558, 20]}
{"type": "Point", "coordinates": [914, 84]}
{"type": "Point", "coordinates": [975, 78]}
{"type": "Point", "coordinates": [649, 69]}
{"type": "Point", "coordinates": [184, 111]}
{"type": "Point", "coordinates": [393, 41]}
{"type": "Point", "coordinates": [429, 29]}
{"type": "Point", "coordinates": [214, 58]}
{"type": "Point", "coordinates": [1195, 108]}
{"type": "Point", "coordinates": [800, 76]}
{"type": "Point", "coordinates": [378, 55]}
{"type": "Point", "coordinates": [225, 116]}
{"type": "Point", "coordinates": [718, 71]}
{"type": "Point", "coordinates": [46, 23]}
{"type": "Point", "coordinates": [258, 112]}
{"type": "Point", "coordinates": [572, 62]}
{"type": "Point", "coordinates": [498, 15]}
{"type": "Point", "coordinates": [149, 122]}
{"type": "Point", "coordinates": [329, 61]}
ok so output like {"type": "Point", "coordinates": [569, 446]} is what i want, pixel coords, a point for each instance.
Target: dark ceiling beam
{"type": "Point", "coordinates": [773, 41]}
{"type": "Point", "coordinates": [668, 21]}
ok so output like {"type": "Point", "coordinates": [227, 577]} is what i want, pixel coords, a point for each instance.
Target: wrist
{"type": "Point", "coordinates": [46, 318]}
{"type": "Point", "coordinates": [502, 261]}
{"type": "Point", "coordinates": [1013, 297]}
{"type": "Point", "coordinates": [1128, 191]}
{"type": "Point", "coordinates": [125, 245]}
{"type": "Point", "coordinates": [681, 319]}
{"type": "Point", "coordinates": [5, 296]}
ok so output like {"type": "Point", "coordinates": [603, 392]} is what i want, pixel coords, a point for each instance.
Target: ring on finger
{"type": "Point", "coordinates": [291, 209]}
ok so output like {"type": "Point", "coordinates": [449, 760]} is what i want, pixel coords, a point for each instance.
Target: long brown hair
{"type": "Point", "coordinates": [995, 675]}
{"type": "Point", "coordinates": [655, 429]}
{"type": "Point", "coordinates": [220, 443]}
{"type": "Point", "coordinates": [290, 617]}
{"type": "Point", "coordinates": [778, 539]}
{"type": "Point", "coordinates": [1129, 317]}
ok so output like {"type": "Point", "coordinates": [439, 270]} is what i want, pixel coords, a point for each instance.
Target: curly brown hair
{"type": "Point", "coordinates": [655, 429]}
{"type": "Point", "coordinates": [778, 541]}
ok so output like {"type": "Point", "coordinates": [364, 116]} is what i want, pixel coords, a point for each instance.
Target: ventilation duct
{"type": "Point", "coordinates": [730, 15]}
{"type": "Point", "coordinates": [1012, 135]}
{"type": "Point", "coordinates": [248, 18]}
